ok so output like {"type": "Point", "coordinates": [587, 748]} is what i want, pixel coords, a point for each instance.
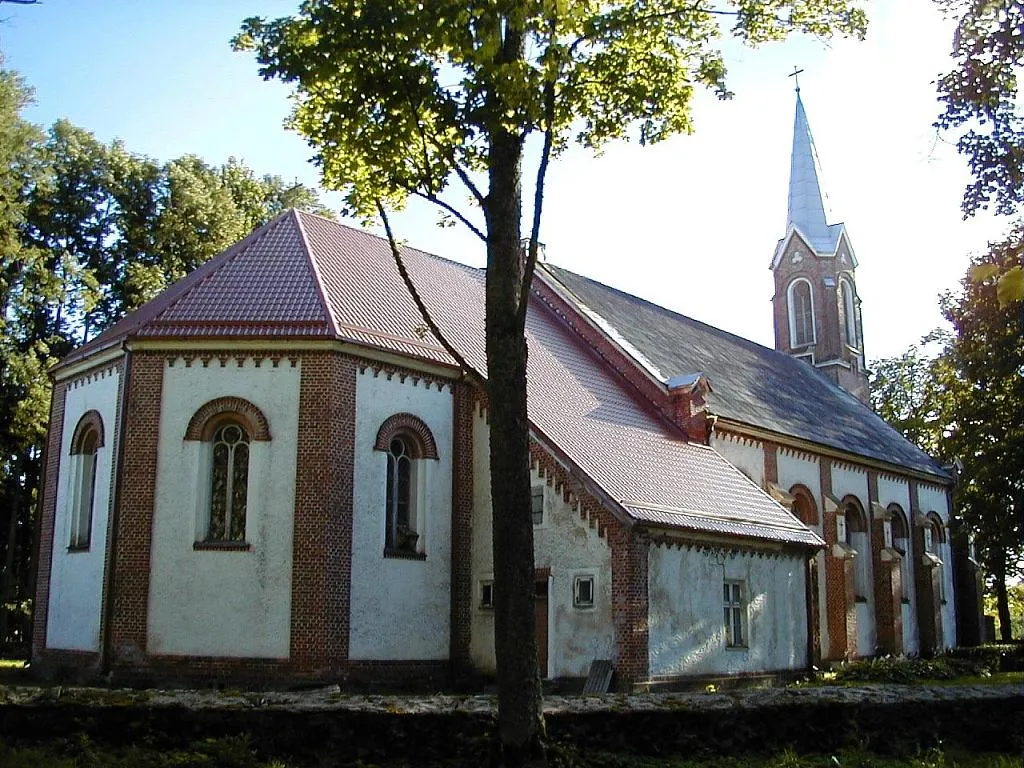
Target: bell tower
{"type": "Point", "coordinates": [816, 306]}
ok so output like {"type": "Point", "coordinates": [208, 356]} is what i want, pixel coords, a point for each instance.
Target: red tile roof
{"type": "Point", "coordinates": [303, 276]}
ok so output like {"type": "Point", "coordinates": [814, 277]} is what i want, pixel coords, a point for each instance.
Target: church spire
{"type": "Point", "coordinates": [806, 207]}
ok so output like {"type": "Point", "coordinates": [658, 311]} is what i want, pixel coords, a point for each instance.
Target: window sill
{"type": "Point", "coordinates": [404, 554]}
{"type": "Point", "coordinates": [221, 546]}
{"type": "Point", "coordinates": [78, 548]}
{"type": "Point", "coordinates": [737, 647]}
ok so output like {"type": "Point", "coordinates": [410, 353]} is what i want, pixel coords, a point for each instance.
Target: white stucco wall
{"type": "Point", "coordinates": [400, 609]}
{"type": "Point", "coordinates": [746, 455]}
{"type": "Point", "coordinates": [224, 603]}
{"type": "Point", "coordinates": [76, 578]}
{"type": "Point", "coordinates": [566, 544]}
{"type": "Point", "coordinates": [892, 490]}
{"type": "Point", "coordinates": [932, 498]}
{"type": "Point", "coordinates": [687, 632]}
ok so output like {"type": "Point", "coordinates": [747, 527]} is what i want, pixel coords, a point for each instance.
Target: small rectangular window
{"type": "Point", "coordinates": [583, 592]}
{"type": "Point", "coordinates": [537, 504]}
{"type": "Point", "coordinates": [735, 612]}
{"type": "Point", "coordinates": [487, 594]}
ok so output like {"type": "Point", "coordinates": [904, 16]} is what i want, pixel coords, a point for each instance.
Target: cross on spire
{"type": "Point", "coordinates": [795, 74]}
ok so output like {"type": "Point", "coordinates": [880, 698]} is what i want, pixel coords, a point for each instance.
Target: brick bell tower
{"type": "Point", "coordinates": [816, 306]}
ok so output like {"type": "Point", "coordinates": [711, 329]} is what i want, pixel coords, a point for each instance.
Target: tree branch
{"type": "Point", "coordinates": [431, 198]}
{"type": "Point", "coordinates": [538, 202]}
{"type": "Point", "coordinates": [473, 375]}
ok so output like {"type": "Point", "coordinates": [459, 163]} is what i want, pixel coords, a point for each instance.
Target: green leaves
{"type": "Point", "coordinates": [980, 96]}
{"type": "Point", "coordinates": [393, 96]}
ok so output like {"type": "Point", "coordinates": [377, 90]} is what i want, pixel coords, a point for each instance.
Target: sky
{"type": "Point", "coordinates": [690, 223]}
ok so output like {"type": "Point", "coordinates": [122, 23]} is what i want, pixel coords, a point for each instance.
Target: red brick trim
{"type": "Point", "coordinates": [322, 544]}
{"type": "Point", "coordinates": [771, 462]}
{"type": "Point", "coordinates": [209, 417]}
{"type": "Point", "coordinates": [413, 426]}
{"type": "Point", "coordinates": [131, 562]}
{"type": "Point", "coordinates": [463, 407]}
{"type": "Point", "coordinates": [47, 517]}
{"type": "Point", "coordinates": [89, 420]}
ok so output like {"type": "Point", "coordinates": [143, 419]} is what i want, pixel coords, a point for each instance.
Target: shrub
{"type": "Point", "coordinates": [1007, 657]}
{"type": "Point", "coordinates": [900, 669]}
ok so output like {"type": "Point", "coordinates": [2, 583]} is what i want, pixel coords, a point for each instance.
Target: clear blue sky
{"type": "Point", "coordinates": [690, 223]}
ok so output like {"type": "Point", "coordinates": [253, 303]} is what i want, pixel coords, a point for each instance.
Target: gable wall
{"type": "Point", "coordinates": [567, 544]}
{"type": "Point", "coordinates": [74, 603]}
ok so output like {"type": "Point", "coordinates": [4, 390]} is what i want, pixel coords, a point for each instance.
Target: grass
{"type": "Point", "coordinates": [236, 752]}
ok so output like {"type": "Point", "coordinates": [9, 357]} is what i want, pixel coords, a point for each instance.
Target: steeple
{"type": "Point", "coordinates": [816, 306]}
{"type": "Point", "coordinates": [806, 207]}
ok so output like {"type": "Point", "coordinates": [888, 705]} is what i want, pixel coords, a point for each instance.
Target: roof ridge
{"type": "Point", "coordinates": [375, 236]}
{"type": "Point", "coordinates": [314, 265]}
{"type": "Point", "coordinates": [742, 339]}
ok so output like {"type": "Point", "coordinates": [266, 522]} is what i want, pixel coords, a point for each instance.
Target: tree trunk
{"type": "Point", "coordinates": [520, 720]}
{"type": "Point", "coordinates": [1003, 603]}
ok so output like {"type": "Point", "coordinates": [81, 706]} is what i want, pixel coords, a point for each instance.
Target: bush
{"type": "Point", "coordinates": [995, 657]}
{"type": "Point", "coordinates": [899, 669]}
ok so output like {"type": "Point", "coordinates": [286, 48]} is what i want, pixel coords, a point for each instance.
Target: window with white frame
{"type": "Point", "coordinates": [859, 538]}
{"type": "Point", "coordinates": [537, 504]}
{"type": "Point", "coordinates": [735, 610]}
{"type": "Point", "coordinates": [801, 313]}
{"type": "Point", "coordinates": [85, 445]}
{"type": "Point", "coordinates": [933, 541]}
{"type": "Point", "coordinates": [583, 591]}
{"type": "Point", "coordinates": [487, 594]}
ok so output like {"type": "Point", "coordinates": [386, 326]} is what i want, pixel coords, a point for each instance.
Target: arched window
{"type": "Point", "coordinates": [229, 482]}
{"type": "Point", "coordinates": [849, 311]}
{"type": "Point", "coordinates": [801, 313]}
{"type": "Point", "coordinates": [804, 508]}
{"type": "Point", "coordinates": [934, 539]}
{"type": "Point", "coordinates": [901, 543]}
{"type": "Point", "coordinates": [859, 538]}
{"type": "Point", "coordinates": [407, 442]}
{"type": "Point", "coordinates": [226, 428]}
{"type": "Point", "coordinates": [85, 445]}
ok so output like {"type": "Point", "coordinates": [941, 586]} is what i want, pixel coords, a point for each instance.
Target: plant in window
{"type": "Point", "coordinates": [229, 483]}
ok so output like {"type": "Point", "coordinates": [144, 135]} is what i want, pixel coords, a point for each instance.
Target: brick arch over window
{"type": "Point", "coordinates": [856, 521]}
{"type": "Point", "coordinates": [421, 440]}
{"type": "Point", "coordinates": [803, 505]}
{"type": "Point", "coordinates": [209, 417]}
{"type": "Point", "coordinates": [90, 421]}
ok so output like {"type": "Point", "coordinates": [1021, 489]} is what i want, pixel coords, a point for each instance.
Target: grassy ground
{"type": "Point", "coordinates": [236, 753]}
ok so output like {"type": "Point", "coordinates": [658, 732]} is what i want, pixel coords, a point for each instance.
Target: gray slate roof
{"type": "Point", "coordinates": [751, 383]}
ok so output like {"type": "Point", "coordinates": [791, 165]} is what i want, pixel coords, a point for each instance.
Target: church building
{"type": "Point", "coordinates": [273, 473]}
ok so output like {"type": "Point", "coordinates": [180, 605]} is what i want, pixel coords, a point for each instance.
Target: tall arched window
{"type": "Point", "coordinates": [849, 311]}
{"type": "Point", "coordinates": [407, 442]}
{"type": "Point", "coordinates": [934, 539]}
{"type": "Point", "coordinates": [859, 538]}
{"type": "Point", "coordinates": [801, 313]}
{"type": "Point", "coordinates": [901, 543]}
{"type": "Point", "coordinates": [226, 428]}
{"type": "Point", "coordinates": [229, 482]}
{"type": "Point", "coordinates": [85, 445]}
{"type": "Point", "coordinates": [804, 508]}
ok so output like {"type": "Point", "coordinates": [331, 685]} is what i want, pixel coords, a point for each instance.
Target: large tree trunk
{"type": "Point", "coordinates": [1002, 602]}
{"type": "Point", "coordinates": [520, 722]}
